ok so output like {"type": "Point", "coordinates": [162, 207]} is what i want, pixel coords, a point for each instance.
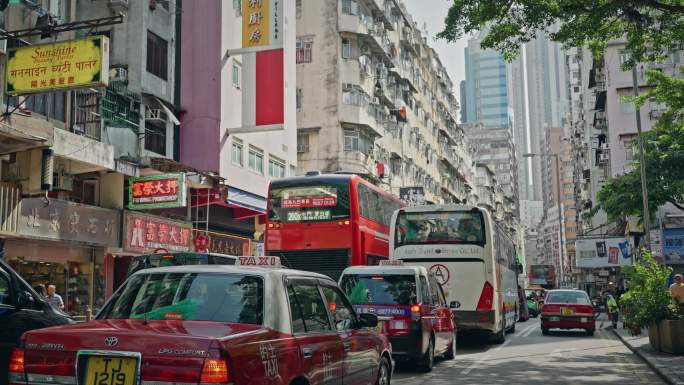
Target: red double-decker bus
{"type": "Point", "coordinates": [325, 223]}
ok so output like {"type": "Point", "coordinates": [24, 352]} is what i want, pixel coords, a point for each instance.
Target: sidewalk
{"type": "Point", "coordinates": [668, 366]}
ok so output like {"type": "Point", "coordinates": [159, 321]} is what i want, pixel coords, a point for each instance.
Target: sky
{"type": "Point", "coordinates": [451, 54]}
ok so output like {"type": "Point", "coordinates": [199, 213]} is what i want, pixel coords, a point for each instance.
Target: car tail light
{"type": "Point", "coordinates": [16, 363]}
{"type": "Point", "coordinates": [486, 298]}
{"type": "Point", "coordinates": [550, 308]}
{"type": "Point", "coordinates": [415, 312]}
{"type": "Point", "coordinates": [215, 369]}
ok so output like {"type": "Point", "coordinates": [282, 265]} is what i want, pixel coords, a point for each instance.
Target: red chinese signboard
{"type": "Point", "coordinates": [156, 191]}
{"type": "Point", "coordinates": [144, 233]}
{"type": "Point", "coordinates": [295, 202]}
{"type": "Point", "coordinates": [227, 244]}
{"type": "Point", "coordinates": [201, 242]}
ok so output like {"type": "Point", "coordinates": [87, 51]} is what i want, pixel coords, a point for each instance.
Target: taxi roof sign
{"type": "Point", "coordinates": [258, 261]}
{"type": "Point", "coordinates": [393, 262]}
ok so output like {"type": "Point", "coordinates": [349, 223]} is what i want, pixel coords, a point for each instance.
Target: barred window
{"type": "Point", "coordinates": [304, 49]}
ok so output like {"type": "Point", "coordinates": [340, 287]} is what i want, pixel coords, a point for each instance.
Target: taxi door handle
{"type": "Point", "coordinates": [347, 346]}
{"type": "Point", "coordinates": [307, 352]}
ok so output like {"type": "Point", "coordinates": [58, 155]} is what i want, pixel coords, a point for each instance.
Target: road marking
{"type": "Point", "coordinates": [524, 330]}
{"type": "Point", "coordinates": [474, 366]}
{"type": "Point", "coordinates": [528, 332]}
{"type": "Point", "coordinates": [557, 352]}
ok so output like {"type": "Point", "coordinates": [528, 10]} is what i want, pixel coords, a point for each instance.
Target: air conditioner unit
{"type": "Point", "coordinates": [118, 74]}
{"type": "Point", "coordinates": [375, 100]}
{"type": "Point", "coordinates": [118, 5]}
{"type": "Point", "coordinates": [3, 46]}
{"type": "Point", "coordinates": [604, 157]}
{"type": "Point", "coordinates": [63, 182]}
{"type": "Point", "coordinates": [604, 146]}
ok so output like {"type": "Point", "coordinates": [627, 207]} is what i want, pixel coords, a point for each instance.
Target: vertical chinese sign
{"type": "Point", "coordinates": [62, 65]}
{"type": "Point", "coordinates": [157, 191]}
{"type": "Point", "coordinates": [263, 95]}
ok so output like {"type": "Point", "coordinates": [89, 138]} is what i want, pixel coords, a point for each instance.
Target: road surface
{"type": "Point", "coordinates": [528, 357]}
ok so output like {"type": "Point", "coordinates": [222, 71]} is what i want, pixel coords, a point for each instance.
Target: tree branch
{"type": "Point", "coordinates": [664, 7]}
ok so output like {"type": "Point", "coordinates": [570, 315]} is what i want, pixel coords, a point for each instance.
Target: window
{"type": "Point", "coordinates": [295, 312]}
{"type": "Point", "coordinates": [356, 140]}
{"type": "Point", "coordinates": [425, 292]}
{"type": "Point", "coordinates": [436, 291]}
{"type": "Point", "coordinates": [276, 168]}
{"type": "Point", "coordinates": [157, 55]}
{"type": "Point", "coordinates": [237, 153]}
{"type": "Point", "coordinates": [298, 99]}
{"type": "Point", "coordinates": [342, 314]}
{"type": "Point", "coordinates": [629, 148]}
{"type": "Point", "coordinates": [5, 294]}
{"type": "Point", "coordinates": [302, 143]}
{"type": "Point", "coordinates": [350, 7]}
{"type": "Point", "coordinates": [385, 289]}
{"type": "Point", "coordinates": [256, 160]}
{"type": "Point", "coordinates": [155, 138]}
{"type": "Point", "coordinates": [304, 47]}
{"type": "Point", "coordinates": [293, 170]}
{"type": "Point", "coordinates": [346, 49]}
{"type": "Point", "coordinates": [235, 298]}
{"type": "Point", "coordinates": [237, 76]}
{"type": "Point", "coordinates": [298, 8]}
{"type": "Point", "coordinates": [625, 57]}
{"type": "Point", "coordinates": [308, 299]}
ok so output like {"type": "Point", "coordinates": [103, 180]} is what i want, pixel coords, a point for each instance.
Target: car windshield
{"type": "Point", "coordinates": [189, 296]}
{"type": "Point", "coordinates": [390, 289]}
{"type": "Point", "coordinates": [574, 297]}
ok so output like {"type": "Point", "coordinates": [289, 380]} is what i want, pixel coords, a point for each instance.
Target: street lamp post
{"type": "Point", "coordinates": [560, 220]}
{"type": "Point", "coordinates": [642, 166]}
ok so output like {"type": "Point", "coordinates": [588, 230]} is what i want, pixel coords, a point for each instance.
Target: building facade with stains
{"type": "Point", "coordinates": [373, 98]}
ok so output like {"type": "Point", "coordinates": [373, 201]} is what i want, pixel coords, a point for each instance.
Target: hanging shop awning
{"type": "Point", "coordinates": [245, 204]}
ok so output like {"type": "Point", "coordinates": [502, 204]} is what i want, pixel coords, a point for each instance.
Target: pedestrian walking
{"type": "Point", "coordinates": [677, 289]}
{"type": "Point", "coordinates": [53, 298]}
{"type": "Point", "coordinates": [613, 310]}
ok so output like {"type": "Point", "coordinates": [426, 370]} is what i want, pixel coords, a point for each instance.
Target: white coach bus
{"type": "Point", "coordinates": [471, 256]}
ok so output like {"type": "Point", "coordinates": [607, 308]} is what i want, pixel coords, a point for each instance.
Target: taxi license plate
{"type": "Point", "coordinates": [111, 371]}
{"type": "Point", "coordinates": [568, 311]}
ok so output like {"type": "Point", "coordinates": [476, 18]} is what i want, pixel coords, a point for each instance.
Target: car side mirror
{"type": "Point", "coordinates": [25, 300]}
{"type": "Point", "coordinates": [454, 304]}
{"type": "Point", "coordinates": [368, 320]}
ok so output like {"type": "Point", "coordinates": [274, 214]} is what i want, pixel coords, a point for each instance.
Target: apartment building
{"type": "Point", "coordinates": [373, 98]}
{"type": "Point", "coordinates": [494, 147]}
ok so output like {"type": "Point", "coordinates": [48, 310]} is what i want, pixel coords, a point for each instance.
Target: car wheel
{"type": "Point", "coordinates": [384, 373]}
{"type": "Point", "coordinates": [512, 329]}
{"type": "Point", "coordinates": [500, 337]}
{"type": "Point", "coordinates": [451, 352]}
{"type": "Point", "coordinates": [545, 331]}
{"type": "Point", "coordinates": [428, 360]}
{"type": "Point", "coordinates": [590, 331]}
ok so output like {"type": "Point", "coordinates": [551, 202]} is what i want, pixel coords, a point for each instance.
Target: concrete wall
{"type": "Point", "coordinates": [200, 85]}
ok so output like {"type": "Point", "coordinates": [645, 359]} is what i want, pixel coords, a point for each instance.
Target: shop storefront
{"type": "Point", "coordinates": [228, 244]}
{"type": "Point", "coordinates": [146, 234]}
{"type": "Point", "coordinates": [601, 261]}
{"type": "Point", "coordinates": [63, 244]}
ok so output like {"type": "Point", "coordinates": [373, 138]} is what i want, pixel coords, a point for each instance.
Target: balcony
{"type": "Point", "coordinates": [356, 162]}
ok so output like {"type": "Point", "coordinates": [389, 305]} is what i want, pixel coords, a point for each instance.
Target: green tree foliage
{"type": "Point", "coordinates": [663, 156]}
{"type": "Point", "coordinates": [650, 26]}
{"type": "Point", "coordinates": [648, 299]}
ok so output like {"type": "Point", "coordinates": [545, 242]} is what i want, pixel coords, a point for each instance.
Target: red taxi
{"type": "Point", "coordinates": [568, 309]}
{"type": "Point", "coordinates": [410, 306]}
{"type": "Point", "coordinates": [212, 325]}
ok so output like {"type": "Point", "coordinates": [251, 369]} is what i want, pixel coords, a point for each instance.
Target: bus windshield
{"type": "Point", "coordinates": [309, 203]}
{"type": "Point", "coordinates": [450, 227]}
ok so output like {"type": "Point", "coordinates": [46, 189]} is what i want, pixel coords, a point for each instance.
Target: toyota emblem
{"type": "Point", "coordinates": [111, 341]}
